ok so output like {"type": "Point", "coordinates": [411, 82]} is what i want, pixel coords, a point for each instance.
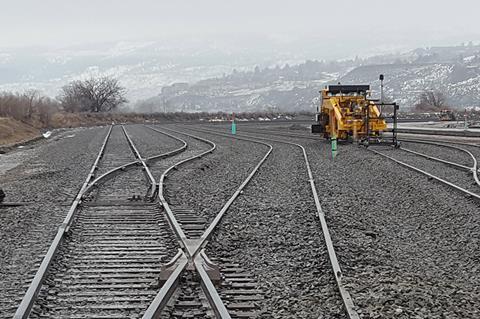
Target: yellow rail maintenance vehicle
{"type": "Point", "coordinates": [346, 113]}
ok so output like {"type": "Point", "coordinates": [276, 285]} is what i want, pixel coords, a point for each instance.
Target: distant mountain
{"type": "Point", "coordinates": [287, 88]}
{"type": "Point", "coordinates": [229, 77]}
{"type": "Point", "coordinates": [143, 67]}
{"type": "Point", "coordinates": [455, 71]}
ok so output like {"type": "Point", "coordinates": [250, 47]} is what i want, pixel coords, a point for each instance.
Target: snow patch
{"type": "Point", "coordinates": [47, 134]}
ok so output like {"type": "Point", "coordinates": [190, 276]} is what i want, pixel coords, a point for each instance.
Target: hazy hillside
{"type": "Point", "coordinates": [287, 88]}
{"type": "Point", "coordinates": [225, 77]}
{"type": "Point", "coordinates": [144, 67]}
{"type": "Point", "coordinates": [452, 70]}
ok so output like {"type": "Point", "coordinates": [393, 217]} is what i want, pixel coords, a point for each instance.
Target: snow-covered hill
{"type": "Point", "coordinates": [223, 77]}
{"type": "Point", "coordinates": [142, 67]}
{"type": "Point", "coordinates": [459, 82]}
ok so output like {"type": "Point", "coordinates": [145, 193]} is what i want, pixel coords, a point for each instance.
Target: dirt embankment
{"type": "Point", "coordinates": [13, 132]}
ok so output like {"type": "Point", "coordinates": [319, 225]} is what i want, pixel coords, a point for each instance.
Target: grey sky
{"type": "Point", "coordinates": [389, 23]}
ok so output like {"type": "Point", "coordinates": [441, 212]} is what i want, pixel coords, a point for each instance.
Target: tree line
{"type": "Point", "coordinates": [431, 101]}
{"type": "Point", "coordinates": [103, 94]}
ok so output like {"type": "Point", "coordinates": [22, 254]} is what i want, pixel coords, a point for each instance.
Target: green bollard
{"type": "Point", "coordinates": [334, 146]}
{"type": "Point", "coordinates": [234, 128]}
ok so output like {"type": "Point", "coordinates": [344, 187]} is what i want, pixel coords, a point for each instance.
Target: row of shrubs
{"type": "Point", "coordinates": [43, 112]}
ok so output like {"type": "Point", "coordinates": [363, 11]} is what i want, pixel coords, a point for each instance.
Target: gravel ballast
{"type": "Point", "coordinates": [446, 172]}
{"type": "Point", "coordinates": [205, 185]}
{"type": "Point", "coordinates": [408, 246]}
{"type": "Point", "coordinates": [48, 181]}
{"type": "Point", "coordinates": [273, 231]}
{"type": "Point", "coordinates": [151, 143]}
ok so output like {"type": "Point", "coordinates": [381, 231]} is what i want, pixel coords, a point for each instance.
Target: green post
{"type": "Point", "coordinates": [234, 125]}
{"type": "Point", "coordinates": [334, 146]}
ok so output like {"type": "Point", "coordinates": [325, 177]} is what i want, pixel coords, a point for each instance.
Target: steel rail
{"type": "Point", "coordinates": [194, 247]}
{"type": "Point", "coordinates": [163, 296]}
{"type": "Point", "coordinates": [409, 139]}
{"type": "Point", "coordinates": [154, 158]}
{"type": "Point", "coordinates": [346, 297]}
{"type": "Point", "coordinates": [433, 158]}
{"type": "Point", "coordinates": [211, 293]}
{"type": "Point", "coordinates": [208, 232]}
{"type": "Point", "coordinates": [25, 307]}
{"type": "Point", "coordinates": [443, 142]}
{"type": "Point", "coordinates": [142, 161]}
{"type": "Point", "coordinates": [473, 169]}
{"type": "Point", "coordinates": [467, 192]}
{"type": "Point", "coordinates": [280, 133]}
{"type": "Point", "coordinates": [184, 241]}
{"type": "Point", "coordinates": [165, 293]}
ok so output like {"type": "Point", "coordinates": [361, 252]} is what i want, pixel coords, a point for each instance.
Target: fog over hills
{"type": "Point", "coordinates": [215, 47]}
{"type": "Point", "coordinates": [142, 66]}
{"type": "Point", "coordinates": [231, 76]}
{"type": "Point", "coordinates": [455, 71]}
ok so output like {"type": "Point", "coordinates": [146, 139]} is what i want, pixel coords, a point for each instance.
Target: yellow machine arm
{"type": "Point", "coordinates": [346, 112]}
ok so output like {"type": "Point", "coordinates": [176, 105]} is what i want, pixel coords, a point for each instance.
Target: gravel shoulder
{"type": "Point", "coordinates": [48, 180]}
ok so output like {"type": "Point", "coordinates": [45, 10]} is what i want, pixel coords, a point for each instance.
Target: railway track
{"type": "Point", "coordinates": [180, 297]}
{"type": "Point", "coordinates": [107, 258]}
{"type": "Point", "coordinates": [115, 255]}
{"type": "Point", "coordinates": [347, 301]}
{"type": "Point", "coordinates": [470, 150]}
{"type": "Point", "coordinates": [456, 180]}
{"type": "Point", "coordinates": [420, 221]}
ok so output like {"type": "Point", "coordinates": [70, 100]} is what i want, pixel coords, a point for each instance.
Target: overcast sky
{"type": "Point", "coordinates": [402, 23]}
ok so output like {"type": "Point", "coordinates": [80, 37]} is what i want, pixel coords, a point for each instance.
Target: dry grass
{"type": "Point", "coordinates": [13, 131]}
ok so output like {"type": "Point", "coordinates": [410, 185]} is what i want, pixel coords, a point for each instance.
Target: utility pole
{"type": "Point", "coordinates": [381, 93]}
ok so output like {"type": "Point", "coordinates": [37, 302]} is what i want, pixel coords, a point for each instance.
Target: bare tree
{"type": "Point", "coordinates": [46, 108]}
{"type": "Point", "coordinates": [32, 97]}
{"type": "Point", "coordinates": [93, 95]}
{"type": "Point", "coordinates": [431, 101]}
{"type": "Point", "coordinates": [28, 107]}
{"type": "Point", "coordinates": [13, 105]}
